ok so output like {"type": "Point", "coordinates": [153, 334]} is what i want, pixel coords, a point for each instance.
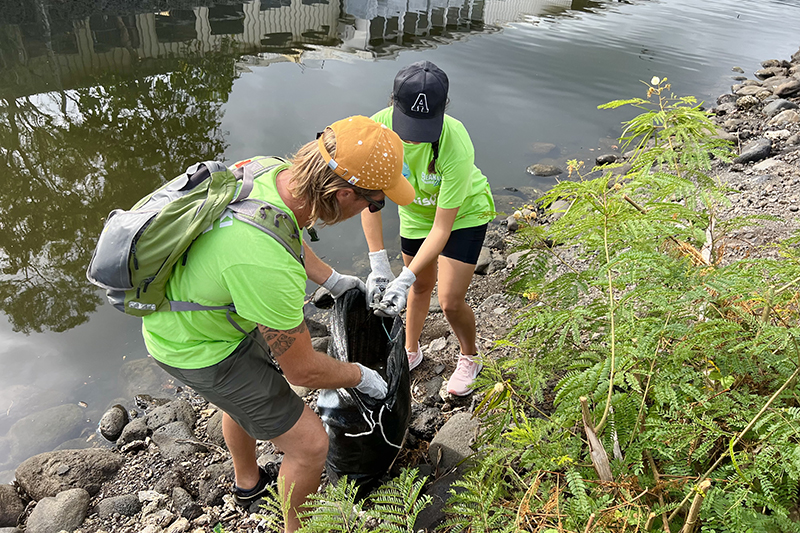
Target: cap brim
{"type": "Point", "coordinates": [418, 130]}
{"type": "Point", "coordinates": [401, 191]}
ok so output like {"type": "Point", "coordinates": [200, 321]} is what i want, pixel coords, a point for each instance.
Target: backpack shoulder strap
{"type": "Point", "coordinates": [272, 221]}
{"type": "Point", "coordinates": [248, 170]}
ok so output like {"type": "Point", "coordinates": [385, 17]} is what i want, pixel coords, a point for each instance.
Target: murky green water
{"type": "Point", "coordinates": [97, 108]}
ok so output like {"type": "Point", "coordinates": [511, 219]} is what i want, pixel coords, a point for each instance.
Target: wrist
{"type": "Point", "coordinates": [378, 259]}
{"type": "Point", "coordinates": [332, 280]}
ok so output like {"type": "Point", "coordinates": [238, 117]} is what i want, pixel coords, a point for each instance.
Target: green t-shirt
{"type": "Point", "coordinates": [456, 183]}
{"type": "Point", "coordinates": [231, 262]}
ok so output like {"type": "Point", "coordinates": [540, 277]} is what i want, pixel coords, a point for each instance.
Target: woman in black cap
{"type": "Point", "coordinates": [442, 230]}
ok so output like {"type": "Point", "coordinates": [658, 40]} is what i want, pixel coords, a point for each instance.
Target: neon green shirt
{"type": "Point", "coordinates": [231, 262]}
{"type": "Point", "coordinates": [456, 183]}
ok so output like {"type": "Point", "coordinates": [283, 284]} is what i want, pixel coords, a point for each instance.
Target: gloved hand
{"type": "Point", "coordinates": [371, 384]}
{"type": "Point", "coordinates": [380, 275]}
{"type": "Point", "coordinates": [394, 299]}
{"type": "Point", "coordinates": [339, 284]}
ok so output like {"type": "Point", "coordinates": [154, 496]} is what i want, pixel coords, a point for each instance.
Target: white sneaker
{"type": "Point", "coordinates": [414, 358]}
{"type": "Point", "coordinates": [460, 383]}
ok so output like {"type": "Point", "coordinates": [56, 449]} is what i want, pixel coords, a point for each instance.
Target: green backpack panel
{"type": "Point", "coordinates": [138, 248]}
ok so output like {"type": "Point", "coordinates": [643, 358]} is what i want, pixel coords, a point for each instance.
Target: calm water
{"type": "Point", "coordinates": [96, 107]}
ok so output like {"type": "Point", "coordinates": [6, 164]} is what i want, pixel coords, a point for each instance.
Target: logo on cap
{"type": "Point", "coordinates": [420, 104]}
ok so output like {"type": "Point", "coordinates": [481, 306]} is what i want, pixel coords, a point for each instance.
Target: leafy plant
{"type": "Point", "coordinates": [393, 507]}
{"type": "Point", "coordinates": [684, 361]}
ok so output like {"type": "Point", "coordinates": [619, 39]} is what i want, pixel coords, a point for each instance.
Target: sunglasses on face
{"type": "Point", "coordinates": [374, 205]}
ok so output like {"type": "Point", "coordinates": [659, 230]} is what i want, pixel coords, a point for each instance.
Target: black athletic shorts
{"type": "Point", "coordinates": [463, 245]}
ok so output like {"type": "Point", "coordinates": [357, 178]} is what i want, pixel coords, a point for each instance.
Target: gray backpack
{"type": "Point", "coordinates": [138, 248]}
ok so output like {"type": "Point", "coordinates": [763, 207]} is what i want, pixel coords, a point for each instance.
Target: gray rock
{"type": "Point", "coordinates": [606, 159]}
{"type": "Point", "coordinates": [747, 90]}
{"type": "Point", "coordinates": [174, 411]}
{"type": "Point", "coordinates": [787, 116]}
{"type": "Point", "coordinates": [316, 329]}
{"type": "Point", "coordinates": [135, 430]}
{"type": "Point", "coordinates": [435, 306]}
{"type": "Point", "coordinates": [788, 89]}
{"type": "Point", "coordinates": [777, 106]}
{"type": "Point", "coordinates": [557, 209]}
{"type": "Point", "coordinates": [452, 444]}
{"type": "Point", "coordinates": [172, 479]}
{"type": "Point", "coordinates": [169, 441]}
{"type": "Point", "coordinates": [142, 377]}
{"type": "Point", "coordinates": [113, 422]}
{"type": "Point", "coordinates": [214, 429]}
{"type": "Point", "coordinates": [725, 109]}
{"type": "Point", "coordinates": [432, 516]}
{"type": "Point", "coordinates": [494, 240]}
{"type": "Point", "coordinates": [321, 344]}
{"type": "Point", "coordinates": [747, 101]}
{"type": "Point", "coordinates": [513, 259]}
{"type": "Point", "coordinates": [498, 262]}
{"type": "Point", "coordinates": [769, 72]}
{"type": "Point", "coordinates": [47, 474]}
{"type": "Point", "coordinates": [425, 421]}
{"type": "Point", "coordinates": [183, 503]}
{"type": "Point", "coordinates": [484, 260]}
{"type": "Point", "coordinates": [10, 530]}
{"type": "Point", "coordinates": [44, 430]}
{"type": "Point", "coordinates": [437, 345]}
{"type": "Point", "coordinates": [754, 151]}
{"type": "Point", "coordinates": [125, 505]}
{"type": "Point", "coordinates": [430, 390]}
{"type": "Point", "coordinates": [544, 170]}
{"type": "Point", "coordinates": [178, 526]}
{"type": "Point", "coordinates": [512, 224]}
{"type": "Point", "coordinates": [11, 506]}
{"type": "Point", "coordinates": [218, 480]}
{"type": "Point", "coordinates": [65, 511]}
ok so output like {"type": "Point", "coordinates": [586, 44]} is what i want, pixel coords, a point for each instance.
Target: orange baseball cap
{"type": "Point", "coordinates": [369, 155]}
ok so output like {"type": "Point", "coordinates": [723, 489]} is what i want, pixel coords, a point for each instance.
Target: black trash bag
{"type": "Point", "coordinates": [366, 434]}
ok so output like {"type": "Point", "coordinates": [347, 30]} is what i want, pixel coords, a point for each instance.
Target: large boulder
{"type": "Point", "coordinates": [47, 474]}
{"type": "Point", "coordinates": [11, 506]}
{"type": "Point", "coordinates": [175, 441]}
{"type": "Point", "coordinates": [142, 376]}
{"type": "Point", "coordinates": [43, 431]}
{"type": "Point", "coordinates": [174, 411]}
{"type": "Point", "coordinates": [452, 444]}
{"type": "Point", "coordinates": [63, 512]}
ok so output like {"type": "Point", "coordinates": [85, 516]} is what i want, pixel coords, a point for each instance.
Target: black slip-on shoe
{"type": "Point", "coordinates": [246, 497]}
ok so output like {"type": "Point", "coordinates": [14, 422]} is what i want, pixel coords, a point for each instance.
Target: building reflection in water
{"type": "Point", "coordinates": [36, 50]}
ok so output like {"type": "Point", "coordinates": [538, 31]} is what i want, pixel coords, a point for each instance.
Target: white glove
{"type": "Point", "coordinates": [380, 275]}
{"type": "Point", "coordinates": [339, 284]}
{"type": "Point", "coordinates": [394, 299]}
{"type": "Point", "coordinates": [371, 384]}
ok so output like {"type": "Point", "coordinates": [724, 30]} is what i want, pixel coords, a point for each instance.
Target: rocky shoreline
{"type": "Point", "coordinates": [161, 463]}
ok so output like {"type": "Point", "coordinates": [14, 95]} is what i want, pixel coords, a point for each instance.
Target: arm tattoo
{"type": "Point", "coordinates": [281, 340]}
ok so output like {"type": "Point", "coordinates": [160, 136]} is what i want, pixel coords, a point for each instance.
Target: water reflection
{"type": "Point", "coordinates": [51, 47]}
{"type": "Point", "coordinates": [68, 157]}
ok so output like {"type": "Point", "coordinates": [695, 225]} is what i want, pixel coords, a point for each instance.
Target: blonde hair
{"type": "Point", "coordinates": [316, 185]}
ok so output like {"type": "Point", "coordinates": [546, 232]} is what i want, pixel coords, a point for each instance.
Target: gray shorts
{"type": "Point", "coordinates": [249, 388]}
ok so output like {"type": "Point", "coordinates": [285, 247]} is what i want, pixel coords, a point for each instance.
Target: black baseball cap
{"type": "Point", "coordinates": [419, 96]}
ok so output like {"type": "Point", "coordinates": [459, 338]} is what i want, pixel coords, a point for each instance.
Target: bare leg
{"type": "Point", "coordinates": [454, 280]}
{"type": "Point", "coordinates": [243, 451]}
{"type": "Point", "coordinates": [306, 446]}
{"type": "Point", "coordinates": [419, 302]}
